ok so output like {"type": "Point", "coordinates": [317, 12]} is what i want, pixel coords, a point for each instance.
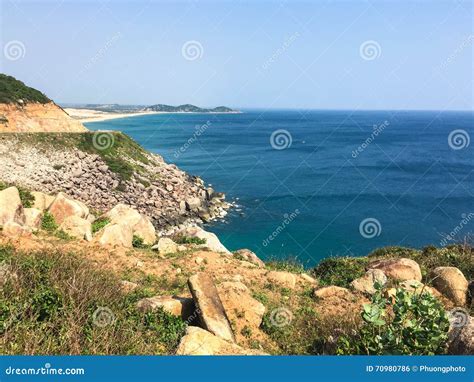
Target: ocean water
{"type": "Point", "coordinates": [313, 184]}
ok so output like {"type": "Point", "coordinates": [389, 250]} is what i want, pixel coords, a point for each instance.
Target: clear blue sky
{"type": "Point", "coordinates": [286, 54]}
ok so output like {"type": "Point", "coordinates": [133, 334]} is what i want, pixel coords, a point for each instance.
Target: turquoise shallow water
{"type": "Point", "coordinates": [349, 182]}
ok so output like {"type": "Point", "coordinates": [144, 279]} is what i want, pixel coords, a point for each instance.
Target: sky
{"type": "Point", "coordinates": [355, 55]}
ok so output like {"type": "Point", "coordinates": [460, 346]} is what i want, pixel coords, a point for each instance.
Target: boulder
{"type": "Point", "coordinates": [63, 207]}
{"type": "Point", "coordinates": [461, 336]}
{"type": "Point", "coordinates": [398, 269]}
{"type": "Point", "coordinates": [193, 204]}
{"type": "Point", "coordinates": [366, 283]}
{"type": "Point", "coordinates": [333, 291]}
{"type": "Point", "coordinates": [212, 242]}
{"type": "Point", "coordinates": [123, 214]}
{"type": "Point", "coordinates": [145, 229]}
{"type": "Point", "coordinates": [241, 307]}
{"type": "Point", "coordinates": [115, 234]}
{"type": "Point", "coordinates": [210, 309]}
{"type": "Point", "coordinates": [77, 227]}
{"type": "Point", "coordinates": [141, 225]}
{"type": "Point", "coordinates": [14, 230]}
{"type": "Point", "coordinates": [33, 217]}
{"type": "Point", "coordinates": [283, 279]}
{"type": "Point", "coordinates": [308, 278]}
{"type": "Point", "coordinates": [165, 246]}
{"type": "Point", "coordinates": [451, 283]}
{"type": "Point", "coordinates": [198, 341]}
{"type": "Point", "coordinates": [11, 209]}
{"type": "Point", "coordinates": [177, 306]}
{"type": "Point", "coordinates": [42, 200]}
{"type": "Point", "coordinates": [250, 256]}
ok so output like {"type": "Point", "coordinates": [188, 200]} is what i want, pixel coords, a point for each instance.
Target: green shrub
{"type": "Point", "coordinates": [182, 239]}
{"type": "Point", "coordinates": [48, 223]}
{"type": "Point", "coordinates": [409, 324]}
{"type": "Point", "coordinates": [12, 90]}
{"type": "Point", "coordinates": [340, 271]}
{"type": "Point", "coordinates": [99, 223]}
{"type": "Point", "coordinates": [51, 307]}
{"type": "Point", "coordinates": [291, 264]}
{"type": "Point", "coordinates": [137, 242]}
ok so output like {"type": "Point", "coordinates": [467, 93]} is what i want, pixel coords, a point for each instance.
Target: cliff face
{"type": "Point", "coordinates": [35, 117]}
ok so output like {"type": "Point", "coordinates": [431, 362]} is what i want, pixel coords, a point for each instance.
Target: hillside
{"type": "Point", "coordinates": [187, 108]}
{"type": "Point", "coordinates": [25, 109]}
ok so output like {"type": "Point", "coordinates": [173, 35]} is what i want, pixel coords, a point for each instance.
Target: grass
{"type": "Point", "coordinates": [291, 264]}
{"type": "Point", "coordinates": [122, 154]}
{"type": "Point", "coordinates": [59, 303]}
{"type": "Point", "coordinates": [182, 239]}
{"type": "Point", "coordinates": [339, 271]}
{"type": "Point", "coordinates": [12, 90]}
{"type": "Point", "coordinates": [99, 223]}
{"type": "Point", "coordinates": [27, 199]}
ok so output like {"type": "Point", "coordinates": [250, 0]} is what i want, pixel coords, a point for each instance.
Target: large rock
{"type": "Point", "coordinates": [193, 204]}
{"type": "Point", "coordinates": [15, 230]}
{"type": "Point", "coordinates": [283, 279]}
{"type": "Point", "coordinates": [241, 307]}
{"type": "Point", "coordinates": [63, 207]}
{"type": "Point", "coordinates": [141, 225]}
{"type": "Point", "coordinates": [77, 227]}
{"type": "Point", "coordinates": [179, 306]}
{"type": "Point", "coordinates": [166, 246]}
{"type": "Point", "coordinates": [366, 283]}
{"type": "Point", "coordinates": [451, 282]}
{"type": "Point", "coordinates": [33, 217]}
{"type": "Point", "coordinates": [116, 235]}
{"type": "Point", "coordinates": [333, 291]}
{"type": "Point", "coordinates": [461, 335]}
{"type": "Point", "coordinates": [11, 209]}
{"type": "Point", "coordinates": [250, 256]}
{"type": "Point", "coordinates": [211, 311]}
{"type": "Point", "coordinates": [398, 269]}
{"type": "Point", "coordinates": [212, 242]}
{"type": "Point", "coordinates": [42, 201]}
{"type": "Point", "coordinates": [123, 214]}
{"type": "Point", "coordinates": [198, 341]}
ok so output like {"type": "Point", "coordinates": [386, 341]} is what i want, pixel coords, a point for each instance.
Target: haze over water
{"type": "Point", "coordinates": [332, 183]}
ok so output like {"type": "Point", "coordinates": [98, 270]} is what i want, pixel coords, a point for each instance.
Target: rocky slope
{"type": "Point", "coordinates": [104, 168]}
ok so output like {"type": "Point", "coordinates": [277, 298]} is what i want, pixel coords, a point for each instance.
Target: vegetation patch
{"type": "Point", "coordinates": [408, 324]}
{"type": "Point", "coordinates": [340, 271]}
{"type": "Point", "coordinates": [59, 303]}
{"type": "Point", "coordinates": [12, 90]}
{"type": "Point", "coordinates": [99, 223]}
{"type": "Point", "coordinates": [291, 264]}
{"type": "Point", "coordinates": [182, 239]}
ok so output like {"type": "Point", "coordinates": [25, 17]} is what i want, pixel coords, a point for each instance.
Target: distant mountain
{"type": "Point", "coordinates": [188, 109]}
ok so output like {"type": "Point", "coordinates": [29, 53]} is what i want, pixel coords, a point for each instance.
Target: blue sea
{"type": "Point", "coordinates": [313, 184]}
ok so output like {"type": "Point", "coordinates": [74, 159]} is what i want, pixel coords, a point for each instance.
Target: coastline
{"type": "Point", "coordinates": [90, 115]}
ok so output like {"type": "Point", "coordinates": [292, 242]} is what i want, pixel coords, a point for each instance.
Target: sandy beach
{"type": "Point", "coordinates": [88, 115]}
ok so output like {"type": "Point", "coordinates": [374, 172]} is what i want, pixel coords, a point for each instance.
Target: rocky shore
{"type": "Point", "coordinates": [103, 169]}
